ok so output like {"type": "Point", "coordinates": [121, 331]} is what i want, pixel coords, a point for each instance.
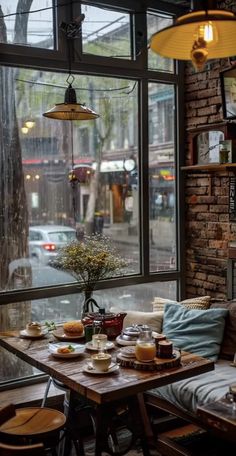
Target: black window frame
{"type": "Point", "coordinates": [56, 60]}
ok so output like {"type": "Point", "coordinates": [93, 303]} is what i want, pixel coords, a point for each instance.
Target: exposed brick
{"type": "Point", "coordinates": [219, 208]}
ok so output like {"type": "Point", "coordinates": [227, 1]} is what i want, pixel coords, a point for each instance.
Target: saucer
{"type": "Point", "coordinates": [89, 369]}
{"type": "Point", "coordinates": [109, 345]}
{"type": "Point", "coordinates": [59, 334]}
{"type": "Point", "coordinates": [25, 335]}
{"type": "Point", "coordinates": [78, 350]}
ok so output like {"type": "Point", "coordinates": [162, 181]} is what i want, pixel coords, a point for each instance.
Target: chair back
{"type": "Point", "coordinates": [26, 450]}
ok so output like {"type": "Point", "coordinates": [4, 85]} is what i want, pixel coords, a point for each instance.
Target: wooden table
{"type": "Point", "coordinates": [105, 390]}
{"type": "Point", "coordinates": [220, 417]}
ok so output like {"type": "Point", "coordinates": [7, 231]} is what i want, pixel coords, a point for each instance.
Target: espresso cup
{"type": "Point", "coordinates": [101, 361]}
{"type": "Point", "coordinates": [99, 341]}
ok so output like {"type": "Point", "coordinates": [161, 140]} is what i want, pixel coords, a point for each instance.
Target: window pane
{"type": "Point", "coordinates": [49, 211]}
{"type": "Point", "coordinates": [106, 33]}
{"type": "Point", "coordinates": [69, 307]}
{"type": "Point", "coordinates": [162, 177]}
{"type": "Point", "coordinates": [33, 29]}
{"type": "Point", "coordinates": [155, 61]}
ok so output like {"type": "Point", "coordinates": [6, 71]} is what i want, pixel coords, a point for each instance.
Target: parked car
{"type": "Point", "coordinates": [45, 241]}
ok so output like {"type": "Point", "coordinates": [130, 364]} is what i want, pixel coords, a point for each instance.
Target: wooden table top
{"type": "Point", "coordinates": [100, 388]}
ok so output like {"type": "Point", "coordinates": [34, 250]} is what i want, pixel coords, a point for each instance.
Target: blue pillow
{"type": "Point", "coordinates": [196, 331]}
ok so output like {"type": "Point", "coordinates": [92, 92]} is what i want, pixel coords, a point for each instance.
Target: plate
{"type": "Point", "coordinates": [24, 334]}
{"type": "Point", "coordinates": [128, 352]}
{"type": "Point", "coordinates": [59, 334]}
{"type": "Point", "coordinates": [89, 369]}
{"type": "Point", "coordinates": [121, 341]}
{"type": "Point", "coordinates": [79, 349]}
{"type": "Point", "coordinates": [109, 345]}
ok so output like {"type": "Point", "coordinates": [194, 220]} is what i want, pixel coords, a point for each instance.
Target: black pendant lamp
{"type": "Point", "coordinates": [71, 109]}
{"type": "Point", "coordinates": [204, 33]}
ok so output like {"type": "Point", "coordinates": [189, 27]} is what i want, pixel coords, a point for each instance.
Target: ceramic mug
{"type": "Point", "coordinates": [101, 361]}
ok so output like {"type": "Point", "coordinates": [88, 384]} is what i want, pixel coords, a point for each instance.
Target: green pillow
{"type": "Point", "coordinates": [196, 331]}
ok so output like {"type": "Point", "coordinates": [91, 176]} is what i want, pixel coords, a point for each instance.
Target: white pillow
{"type": "Point", "coordinates": [152, 319]}
{"type": "Point", "coordinates": [199, 303]}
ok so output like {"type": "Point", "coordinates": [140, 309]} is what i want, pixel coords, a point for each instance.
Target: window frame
{"type": "Point", "coordinates": [56, 60]}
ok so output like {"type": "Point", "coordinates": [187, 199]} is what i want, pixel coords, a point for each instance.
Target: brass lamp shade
{"type": "Point", "coordinates": [70, 109]}
{"type": "Point", "coordinates": [177, 41]}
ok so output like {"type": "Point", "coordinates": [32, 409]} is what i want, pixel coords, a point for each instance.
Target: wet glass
{"type": "Point", "coordinates": [34, 29]}
{"type": "Point", "coordinates": [106, 32]}
{"type": "Point", "coordinates": [162, 188]}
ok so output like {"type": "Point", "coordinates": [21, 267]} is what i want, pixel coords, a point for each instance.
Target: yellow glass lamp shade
{"type": "Point", "coordinates": [70, 109]}
{"type": "Point", "coordinates": [211, 34]}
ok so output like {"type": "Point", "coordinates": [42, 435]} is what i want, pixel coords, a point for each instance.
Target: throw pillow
{"type": "Point", "coordinates": [201, 303]}
{"type": "Point", "coordinates": [228, 346]}
{"type": "Point", "coordinates": [196, 331]}
{"type": "Point", "coordinates": [134, 317]}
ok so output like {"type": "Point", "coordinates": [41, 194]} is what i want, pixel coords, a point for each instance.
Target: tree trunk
{"type": "Point", "coordinates": [13, 209]}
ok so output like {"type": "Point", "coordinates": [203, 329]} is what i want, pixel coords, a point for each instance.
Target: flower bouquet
{"type": "Point", "coordinates": [90, 261]}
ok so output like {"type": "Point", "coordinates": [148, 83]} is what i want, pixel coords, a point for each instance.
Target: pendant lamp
{"type": "Point", "coordinates": [204, 33]}
{"type": "Point", "coordinates": [70, 109]}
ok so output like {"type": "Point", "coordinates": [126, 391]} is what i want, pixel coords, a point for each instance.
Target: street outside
{"type": "Point", "coordinates": [136, 297]}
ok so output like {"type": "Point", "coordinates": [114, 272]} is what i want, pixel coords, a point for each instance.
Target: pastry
{"type": "Point", "coordinates": [73, 328]}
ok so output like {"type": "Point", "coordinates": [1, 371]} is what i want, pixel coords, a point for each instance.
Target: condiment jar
{"type": "Point", "coordinates": [145, 348]}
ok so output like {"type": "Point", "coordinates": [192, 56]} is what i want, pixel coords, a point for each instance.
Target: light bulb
{"type": "Point", "coordinates": [208, 32]}
{"type": "Point", "coordinates": [24, 130]}
{"type": "Point", "coordinates": [30, 123]}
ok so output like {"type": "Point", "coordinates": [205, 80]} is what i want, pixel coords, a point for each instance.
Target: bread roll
{"type": "Point", "coordinates": [73, 328]}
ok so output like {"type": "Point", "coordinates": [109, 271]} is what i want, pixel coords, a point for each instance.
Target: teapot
{"type": "Point", "coordinates": [109, 323]}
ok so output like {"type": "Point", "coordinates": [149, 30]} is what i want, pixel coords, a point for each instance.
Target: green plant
{"type": "Point", "coordinates": [90, 260]}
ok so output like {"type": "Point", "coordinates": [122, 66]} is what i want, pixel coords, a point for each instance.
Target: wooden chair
{"type": "Point", "coordinates": [26, 450]}
{"type": "Point", "coordinates": [31, 425]}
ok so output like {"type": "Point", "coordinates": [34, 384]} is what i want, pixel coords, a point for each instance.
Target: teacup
{"type": "Point", "coordinates": [34, 329]}
{"type": "Point", "coordinates": [99, 341]}
{"type": "Point", "coordinates": [101, 361]}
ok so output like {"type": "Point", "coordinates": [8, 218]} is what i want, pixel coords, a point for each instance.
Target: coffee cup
{"type": "Point", "coordinates": [101, 361]}
{"type": "Point", "coordinates": [34, 329]}
{"type": "Point", "coordinates": [99, 341]}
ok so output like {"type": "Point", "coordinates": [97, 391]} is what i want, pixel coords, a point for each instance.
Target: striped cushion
{"type": "Point", "coordinates": [200, 303]}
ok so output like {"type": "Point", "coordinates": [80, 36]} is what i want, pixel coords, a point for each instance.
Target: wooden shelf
{"type": "Point", "coordinates": [211, 167]}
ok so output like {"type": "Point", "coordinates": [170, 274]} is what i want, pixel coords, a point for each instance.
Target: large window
{"type": "Point", "coordinates": [124, 161]}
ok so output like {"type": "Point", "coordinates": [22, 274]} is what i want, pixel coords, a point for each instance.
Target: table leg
{"type": "Point", "coordinates": [132, 418]}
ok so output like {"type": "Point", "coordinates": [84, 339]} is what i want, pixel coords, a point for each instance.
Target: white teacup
{"type": "Point", "coordinates": [101, 361]}
{"type": "Point", "coordinates": [99, 341]}
{"type": "Point", "coordinates": [34, 329]}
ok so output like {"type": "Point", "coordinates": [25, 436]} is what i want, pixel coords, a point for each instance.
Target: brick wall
{"type": "Point", "coordinates": [208, 229]}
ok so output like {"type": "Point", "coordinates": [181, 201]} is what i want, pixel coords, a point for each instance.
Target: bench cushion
{"type": "Point", "coordinates": [188, 394]}
{"type": "Point", "coordinates": [134, 317]}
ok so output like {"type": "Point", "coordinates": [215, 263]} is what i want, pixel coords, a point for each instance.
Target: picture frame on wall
{"type": "Point", "coordinates": [228, 92]}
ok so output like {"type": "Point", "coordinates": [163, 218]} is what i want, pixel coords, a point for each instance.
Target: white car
{"type": "Point", "coordinates": [45, 241]}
